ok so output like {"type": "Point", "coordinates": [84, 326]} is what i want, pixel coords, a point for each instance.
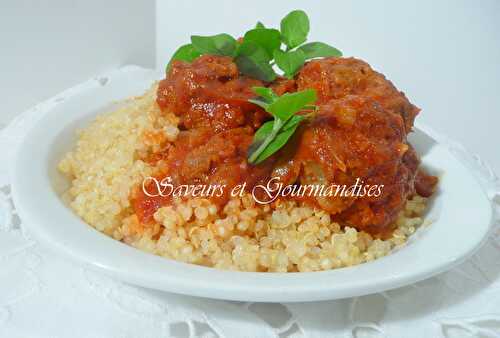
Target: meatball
{"type": "Point", "coordinates": [355, 137]}
{"type": "Point", "coordinates": [209, 92]}
{"type": "Point", "coordinates": [202, 157]}
{"type": "Point", "coordinates": [334, 78]}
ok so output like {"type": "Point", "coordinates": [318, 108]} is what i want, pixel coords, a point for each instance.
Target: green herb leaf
{"type": "Point", "coordinates": [266, 93]}
{"type": "Point", "coordinates": [220, 44]}
{"type": "Point", "coordinates": [260, 103]}
{"type": "Point", "coordinates": [294, 28]}
{"type": "Point", "coordinates": [253, 60]}
{"type": "Point", "coordinates": [290, 103]}
{"type": "Point", "coordinates": [278, 142]}
{"type": "Point", "coordinates": [289, 62]}
{"type": "Point", "coordinates": [293, 122]}
{"type": "Point", "coordinates": [259, 25]}
{"type": "Point", "coordinates": [268, 141]}
{"type": "Point", "coordinates": [266, 97]}
{"type": "Point", "coordinates": [269, 39]}
{"type": "Point", "coordinates": [319, 49]}
{"type": "Point", "coordinates": [273, 135]}
{"type": "Point", "coordinates": [260, 49]}
{"type": "Point", "coordinates": [262, 139]}
{"type": "Point", "coordinates": [260, 135]}
{"type": "Point", "coordinates": [266, 129]}
{"type": "Point", "coordinates": [185, 53]}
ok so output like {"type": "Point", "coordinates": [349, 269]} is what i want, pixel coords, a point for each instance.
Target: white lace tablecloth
{"type": "Point", "coordinates": [43, 294]}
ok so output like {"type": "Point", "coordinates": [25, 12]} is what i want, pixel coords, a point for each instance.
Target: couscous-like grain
{"type": "Point", "coordinates": [285, 236]}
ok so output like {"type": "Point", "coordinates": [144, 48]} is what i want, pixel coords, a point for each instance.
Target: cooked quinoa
{"type": "Point", "coordinates": [286, 236]}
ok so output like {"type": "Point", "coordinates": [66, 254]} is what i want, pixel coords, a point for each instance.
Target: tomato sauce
{"type": "Point", "coordinates": [359, 131]}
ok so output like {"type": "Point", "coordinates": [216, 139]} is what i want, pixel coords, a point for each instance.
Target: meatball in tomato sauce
{"type": "Point", "coordinates": [358, 132]}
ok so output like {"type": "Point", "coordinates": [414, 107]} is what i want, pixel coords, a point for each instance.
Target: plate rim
{"type": "Point", "coordinates": [229, 291]}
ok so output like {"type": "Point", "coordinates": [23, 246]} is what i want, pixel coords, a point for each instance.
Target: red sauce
{"type": "Point", "coordinates": [359, 132]}
{"type": "Point", "coordinates": [210, 93]}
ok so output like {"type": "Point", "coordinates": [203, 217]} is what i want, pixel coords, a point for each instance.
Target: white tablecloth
{"type": "Point", "coordinates": [43, 294]}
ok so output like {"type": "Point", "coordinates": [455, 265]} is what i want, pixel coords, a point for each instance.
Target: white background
{"type": "Point", "coordinates": [443, 54]}
{"type": "Point", "coordinates": [48, 46]}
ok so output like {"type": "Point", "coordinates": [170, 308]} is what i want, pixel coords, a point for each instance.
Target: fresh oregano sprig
{"type": "Point", "coordinates": [294, 28]}
{"type": "Point", "coordinates": [274, 134]}
{"type": "Point", "coordinates": [261, 48]}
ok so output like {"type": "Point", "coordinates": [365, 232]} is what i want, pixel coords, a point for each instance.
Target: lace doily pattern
{"type": "Point", "coordinates": [45, 295]}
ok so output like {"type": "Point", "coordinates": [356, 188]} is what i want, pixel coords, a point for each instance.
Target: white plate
{"type": "Point", "coordinates": [460, 212]}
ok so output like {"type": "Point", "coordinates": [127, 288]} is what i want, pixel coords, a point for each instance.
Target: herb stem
{"type": "Point", "coordinates": [278, 124]}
